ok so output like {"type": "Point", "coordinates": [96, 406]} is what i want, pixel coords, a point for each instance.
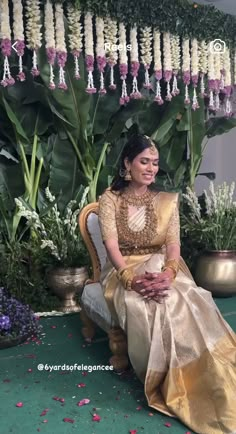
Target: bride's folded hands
{"type": "Point", "coordinates": [153, 285]}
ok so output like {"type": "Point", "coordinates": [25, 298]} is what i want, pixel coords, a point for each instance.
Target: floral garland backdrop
{"type": "Point", "coordinates": [137, 49]}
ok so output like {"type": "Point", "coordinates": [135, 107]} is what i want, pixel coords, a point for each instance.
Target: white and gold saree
{"type": "Point", "coordinates": [182, 350]}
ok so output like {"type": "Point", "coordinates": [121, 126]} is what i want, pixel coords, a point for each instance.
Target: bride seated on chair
{"type": "Point", "coordinates": [178, 343]}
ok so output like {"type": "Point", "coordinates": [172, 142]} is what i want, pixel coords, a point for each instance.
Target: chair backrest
{"type": "Point", "coordinates": [90, 231]}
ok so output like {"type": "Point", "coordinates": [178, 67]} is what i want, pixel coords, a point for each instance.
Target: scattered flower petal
{"type": "Point", "coordinates": [70, 335]}
{"type": "Point", "coordinates": [45, 421]}
{"type": "Point", "coordinates": [81, 385]}
{"type": "Point", "coordinates": [96, 418]}
{"type": "Point", "coordinates": [68, 419]}
{"type": "Point", "coordinates": [150, 414]}
{"type": "Point", "coordinates": [167, 424]}
{"type": "Point", "coordinates": [30, 370]}
{"type": "Point", "coordinates": [19, 404]}
{"type": "Point", "coordinates": [139, 408]}
{"type": "Point", "coordinates": [53, 327]}
{"type": "Point", "coordinates": [133, 431]}
{"type": "Point", "coordinates": [61, 399]}
{"type": "Point", "coordinates": [83, 402]}
{"type": "Point", "coordinates": [84, 374]}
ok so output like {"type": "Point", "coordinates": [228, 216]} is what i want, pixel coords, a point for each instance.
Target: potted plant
{"type": "Point", "coordinates": [210, 223]}
{"type": "Point", "coordinates": [17, 321]}
{"type": "Point", "coordinates": [57, 234]}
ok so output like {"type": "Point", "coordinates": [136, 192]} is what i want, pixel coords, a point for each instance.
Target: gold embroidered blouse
{"type": "Point", "coordinates": [132, 240]}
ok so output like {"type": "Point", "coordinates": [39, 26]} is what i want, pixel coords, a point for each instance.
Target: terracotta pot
{"type": "Point", "coordinates": [65, 283]}
{"type": "Point", "coordinates": [216, 271]}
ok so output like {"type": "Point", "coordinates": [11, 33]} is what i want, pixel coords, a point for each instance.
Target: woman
{"type": "Point", "coordinates": [179, 345]}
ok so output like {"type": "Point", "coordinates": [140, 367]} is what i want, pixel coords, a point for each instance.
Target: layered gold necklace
{"type": "Point", "coordinates": [127, 236]}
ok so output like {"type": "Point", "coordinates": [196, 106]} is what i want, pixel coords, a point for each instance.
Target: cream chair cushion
{"type": "Point", "coordinates": [92, 298]}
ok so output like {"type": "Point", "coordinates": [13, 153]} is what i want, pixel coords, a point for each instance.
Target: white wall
{"type": "Point", "coordinates": [219, 157]}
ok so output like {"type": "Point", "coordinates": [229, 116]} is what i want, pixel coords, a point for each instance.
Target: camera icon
{"type": "Point", "coordinates": [217, 46]}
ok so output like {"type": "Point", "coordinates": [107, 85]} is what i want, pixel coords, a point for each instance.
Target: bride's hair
{"type": "Point", "coordinates": [135, 145]}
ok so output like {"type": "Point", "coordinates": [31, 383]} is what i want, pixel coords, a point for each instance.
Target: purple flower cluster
{"type": "Point", "coordinates": [16, 319]}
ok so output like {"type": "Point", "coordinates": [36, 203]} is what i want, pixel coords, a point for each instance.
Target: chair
{"type": "Point", "coordinates": [95, 311]}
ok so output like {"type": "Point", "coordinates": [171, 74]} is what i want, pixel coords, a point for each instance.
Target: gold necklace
{"type": "Point", "coordinates": [128, 237]}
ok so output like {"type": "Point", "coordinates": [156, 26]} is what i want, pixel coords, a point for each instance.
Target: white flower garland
{"type": "Point", "coordinates": [194, 71]}
{"type": "Point", "coordinates": [75, 35]}
{"type": "Point", "coordinates": [50, 42]}
{"type": "Point", "coordinates": [18, 30]}
{"type": "Point", "coordinates": [111, 38]}
{"type": "Point", "coordinates": [228, 82]}
{"type": "Point", "coordinates": [167, 63]}
{"type": "Point", "coordinates": [157, 65]}
{"type": "Point", "coordinates": [6, 44]}
{"type": "Point", "coordinates": [134, 57]}
{"type": "Point", "coordinates": [60, 44]}
{"type": "Point", "coordinates": [186, 68]}
{"type": "Point", "coordinates": [203, 65]}
{"type": "Point", "coordinates": [146, 53]}
{"type": "Point", "coordinates": [100, 52]}
{"type": "Point", "coordinates": [218, 79]}
{"type": "Point", "coordinates": [33, 31]}
{"type": "Point", "coordinates": [123, 63]}
{"type": "Point", "coordinates": [175, 55]}
{"type": "Point", "coordinates": [211, 76]}
{"type": "Point", "coordinates": [89, 51]}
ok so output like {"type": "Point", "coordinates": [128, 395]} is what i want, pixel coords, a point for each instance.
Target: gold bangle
{"type": "Point", "coordinates": [125, 275]}
{"type": "Point", "coordinates": [173, 265]}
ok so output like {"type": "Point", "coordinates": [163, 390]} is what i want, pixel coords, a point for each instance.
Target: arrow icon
{"type": "Point", "coordinates": [13, 46]}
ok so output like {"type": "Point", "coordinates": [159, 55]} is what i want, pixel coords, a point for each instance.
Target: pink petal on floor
{"type": "Point", "coordinates": [61, 399]}
{"type": "Point", "coordinates": [6, 380]}
{"type": "Point", "coordinates": [53, 327]}
{"type": "Point", "coordinates": [139, 408]}
{"type": "Point", "coordinates": [81, 385]}
{"type": "Point", "coordinates": [83, 402]}
{"type": "Point", "coordinates": [70, 335]}
{"type": "Point", "coordinates": [188, 432]}
{"type": "Point", "coordinates": [133, 431]}
{"type": "Point", "coordinates": [45, 421]}
{"type": "Point", "coordinates": [96, 418]}
{"type": "Point", "coordinates": [68, 419]}
{"type": "Point", "coordinates": [30, 370]}
{"type": "Point", "coordinates": [167, 424]}
{"type": "Point", "coordinates": [19, 404]}
{"type": "Point", "coordinates": [150, 414]}
{"type": "Point", "coordinates": [84, 374]}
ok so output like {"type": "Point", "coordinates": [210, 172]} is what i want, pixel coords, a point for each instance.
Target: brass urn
{"type": "Point", "coordinates": [65, 283]}
{"type": "Point", "coordinates": [216, 271]}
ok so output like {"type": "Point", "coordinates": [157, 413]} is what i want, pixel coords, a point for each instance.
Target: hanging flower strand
{"type": "Point", "coordinates": [211, 77]}
{"type": "Point", "coordinates": [157, 65]}
{"type": "Point", "coordinates": [75, 35]}
{"type": "Point", "coordinates": [100, 53]}
{"type": "Point", "coordinates": [203, 66]}
{"type": "Point", "coordinates": [50, 40]}
{"type": "Point", "coordinates": [33, 31]}
{"type": "Point", "coordinates": [135, 94]}
{"type": "Point", "coordinates": [186, 68]}
{"type": "Point", "coordinates": [228, 83]}
{"type": "Point", "coordinates": [194, 71]}
{"type": "Point", "coordinates": [218, 79]}
{"type": "Point", "coordinates": [146, 53]}
{"type": "Point", "coordinates": [110, 35]}
{"type": "Point", "coordinates": [123, 64]}
{"type": "Point", "coordinates": [60, 45]}
{"type": "Point", "coordinates": [167, 63]}
{"type": "Point", "coordinates": [89, 53]}
{"type": "Point", "coordinates": [6, 44]}
{"type": "Point", "coordinates": [18, 30]}
{"type": "Point", "coordinates": [175, 55]}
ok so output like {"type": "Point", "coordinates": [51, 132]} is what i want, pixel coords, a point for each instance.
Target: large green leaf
{"type": "Point", "coordinates": [218, 126]}
{"type": "Point", "coordinates": [196, 135]}
{"type": "Point", "coordinates": [15, 121]}
{"type": "Point", "coordinates": [65, 177]}
{"type": "Point", "coordinates": [169, 118]}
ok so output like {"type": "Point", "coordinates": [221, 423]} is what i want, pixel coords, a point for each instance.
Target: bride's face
{"type": "Point", "coordinates": [144, 167]}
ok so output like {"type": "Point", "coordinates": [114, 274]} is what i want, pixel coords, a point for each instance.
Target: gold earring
{"type": "Point", "coordinates": [128, 176]}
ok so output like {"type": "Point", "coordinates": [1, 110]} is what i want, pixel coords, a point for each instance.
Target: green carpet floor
{"type": "Point", "coordinates": [118, 400]}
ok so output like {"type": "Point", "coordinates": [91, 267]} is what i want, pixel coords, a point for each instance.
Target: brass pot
{"type": "Point", "coordinates": [65, 283]}
{"type": "Point", "coordinates": [216, 271]}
